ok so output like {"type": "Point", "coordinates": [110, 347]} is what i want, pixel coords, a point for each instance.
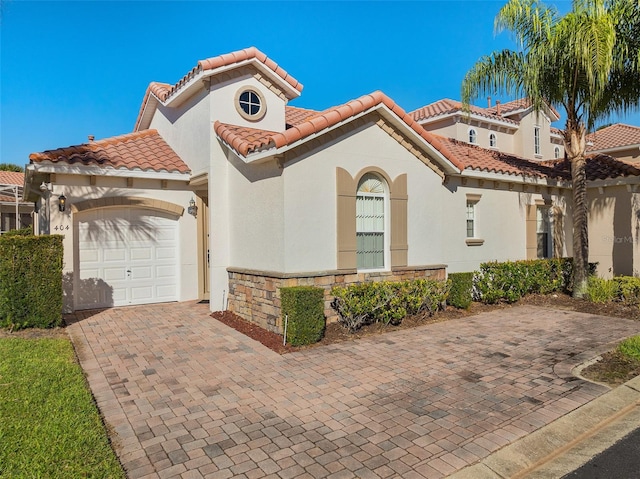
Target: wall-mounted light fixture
{"type": "Point", "coordinates": [62, 202]}
{"type": "Point", "coordinates": [192, 209]}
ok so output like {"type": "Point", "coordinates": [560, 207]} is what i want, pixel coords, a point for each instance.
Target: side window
{"type": "Point", "coordinates": [556, 152]}
{"type": "Point", "coordinates": [370, 222]}
{"type": "Point", "coordinates": [536, 141]}
{"type": "Point", "coordinates": [493, 143]}
{"type": "Point", "coordinates": [473, 136]}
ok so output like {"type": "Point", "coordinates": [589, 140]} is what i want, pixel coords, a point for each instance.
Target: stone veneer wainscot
{"type": "Point", "coordinates": [255, 295]}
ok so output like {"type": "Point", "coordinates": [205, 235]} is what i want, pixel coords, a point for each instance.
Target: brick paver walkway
{"type": "Point", "coordinates": [186, 396]}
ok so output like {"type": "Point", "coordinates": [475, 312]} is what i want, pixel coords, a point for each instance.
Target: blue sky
{"type": "Point", "coordinates": [71, 69]}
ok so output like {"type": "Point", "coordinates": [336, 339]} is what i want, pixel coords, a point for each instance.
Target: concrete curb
{"type": "Point", "coordinates": [568, 442]}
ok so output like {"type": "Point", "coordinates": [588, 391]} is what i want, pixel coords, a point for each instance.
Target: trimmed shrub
{"type": "Point", "coordinates": [304, 308]}
{"type": "Point", "coordinates": [387, 302]}
{"type": "Point", "coordinates": [511, 280]}
{"type": "Point", "coordinates": [21, 232]}
{"type": "Point", "coordinates": [461, 292]}
{"type": "Point", "coordinates": [628, 289]}
{"type": "Point", "coordinates": [30, 281]}
{"type": "Point", "coordinates": [601, 290]}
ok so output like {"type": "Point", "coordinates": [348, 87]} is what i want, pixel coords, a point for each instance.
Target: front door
{"type": "Point", "coordinates": [203, 246]}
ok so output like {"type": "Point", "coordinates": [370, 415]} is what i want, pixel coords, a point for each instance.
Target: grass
{"type": "Point", "coordinates": [630, 347]}
{"type": "Point", "coordinates": [49, 424]}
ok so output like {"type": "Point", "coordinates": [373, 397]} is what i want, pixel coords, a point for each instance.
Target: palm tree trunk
{"type": "Point", "coordinates": [580, 228]}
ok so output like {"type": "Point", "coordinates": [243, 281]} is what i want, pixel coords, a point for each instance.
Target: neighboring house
{"type": "Point", "coordinates": [511, 127]}
{"type": "Point", "coordinates": [620, 141]}
{"type": "Point", "coordinates": [225, 193]}
{"type": "Point", "coordinates": [14, 213]}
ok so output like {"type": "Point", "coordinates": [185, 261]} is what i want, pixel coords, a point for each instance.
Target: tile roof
{"type": "Point", "coordinates": [295, 115]}
{"type": "Point", "coordinates": [492, 161]}
{"type": "Point", "coordinates": [514, 106]}
{"type": "Point", "coordinates": [614, 136]}
{"type": "Point", "coordinates": [246, 141]}
{"type": "Point", "coordinates": [11, 178]}
{"type": "Point", "coordinates": [447, 106]}
{"type": "Point", "coordinates": [598, 166]}
{"type": "Point", "coordinates": [164, 91]}
{"type": "Point", "coordinates": [145, 150]}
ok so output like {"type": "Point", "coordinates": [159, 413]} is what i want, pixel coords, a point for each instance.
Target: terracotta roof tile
{"type": "Point", "coordinates": [11, 178]}
{"type": "Point", "coordinates": [481, 159]}
{"type": "Point", "coordinates": [248, 140]}
{"type": "Point", "coordinates": [447, 106]}
{"type": "Point", "coordinates": [515, 105]}
{"type": "Point", "coordinates": [598, 166]}
{"type": "Point", "coordinates": [294, 115]}
{"type": "Point", "coordinates": [618, 135]}
{"type": "Point", "coordinates": [145, 150]}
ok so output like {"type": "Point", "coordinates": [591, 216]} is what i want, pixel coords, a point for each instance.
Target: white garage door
{"type": "Point", "coordinates": [126, 256]}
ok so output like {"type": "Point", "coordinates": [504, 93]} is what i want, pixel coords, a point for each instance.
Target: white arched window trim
{"type": "Point", "coordinates": [493, 140]}
{"type": "Point", "coordinates": [372, 223]}
{"type": "Point", "coordinates": [473, 136]}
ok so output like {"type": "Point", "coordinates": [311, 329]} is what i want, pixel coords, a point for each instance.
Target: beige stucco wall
{"type": "Point", "coordinates": [77, 188]}
{"type": "Point", "coordinates": [614, 230]}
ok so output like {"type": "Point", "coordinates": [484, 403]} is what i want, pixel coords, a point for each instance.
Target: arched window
{"type": "Point", "coordinates": [472, 136]}
{"type": "Point", "coordinates": [492, 140]}
{"type": "Point", "coordinates": [556, 152]}
{"type": "Point", "coordinates": [370, 222]}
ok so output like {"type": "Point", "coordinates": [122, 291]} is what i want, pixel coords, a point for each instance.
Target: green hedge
{"type": "Point", "coordinates": [387, 302]}
{"type": "Point", "coordinates": [461, 292]}
{"type": "Point", "coordinates": [30, 281]}
{"type": "Point", "coordinates": [511, 280]}
{"type": "Point", "coordinates": [628, 289]}
{"type": "Point", "coordinates": [304, 308]}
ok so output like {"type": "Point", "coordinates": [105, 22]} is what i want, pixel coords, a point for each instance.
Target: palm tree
{"type": "Point", "coordinates": [586, 62]}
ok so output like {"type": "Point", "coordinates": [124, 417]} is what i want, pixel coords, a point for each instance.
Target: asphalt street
{"type": "Point", "coordinates": [620, 461]}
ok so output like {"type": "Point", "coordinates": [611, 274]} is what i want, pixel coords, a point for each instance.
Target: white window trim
{"type": "Point", "coordinates": [473, 199]}
{"type": "Point", "coordinates": [386, 257]}
{"type": "Point", "coordinates": [537, 145]}
{"type": "Point", "coordinates": [475, 134]}
{"type": "Point", "coordinates": [263, 104]}
{"type": "Point", "coordinates": [495, 138]}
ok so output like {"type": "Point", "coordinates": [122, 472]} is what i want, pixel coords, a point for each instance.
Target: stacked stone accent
{"type": "Point", "coordinates": [255, 295]}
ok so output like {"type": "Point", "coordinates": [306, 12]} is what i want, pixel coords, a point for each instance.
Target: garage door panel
{"type": "Point", "coordinates": [141, 253]}
{"type": "Point", "coordinates": [116, 240]}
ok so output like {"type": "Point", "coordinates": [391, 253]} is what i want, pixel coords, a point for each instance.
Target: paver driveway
{"type": "Point", "coordinates": [186, 396]}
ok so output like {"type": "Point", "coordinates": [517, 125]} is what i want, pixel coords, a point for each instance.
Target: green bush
{"type": "Point", "coordinates": [511, 280]}
{"type": "Point", "coordinates": [461, 292]}
{"type": "Point", "coordinates": [628, 289]}
{"type": "Point", "coordinates": [630, 347]}
{"type": "Point", "coordinates": [601, 290]}
{"type": "Point", "coordinates": [304, 308]}
{"type": "Point", "coordinates": [387, 302]}
{"type": "Point", "coordinates": [21, 232]}
{"type": "Point", "coordinates": [30, 281]}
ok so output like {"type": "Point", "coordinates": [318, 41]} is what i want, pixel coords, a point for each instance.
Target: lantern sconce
{"type": "Point", "coordinates": [192, 209]}
{"type": "Point", "coordinates": [62, 202]}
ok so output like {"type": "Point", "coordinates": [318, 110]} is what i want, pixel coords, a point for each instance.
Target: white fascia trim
{"type": "Point", "coordinates": [621, 181]}
{"type": "Point", "coordinates": [108, 171]}
{"type": "Point", "coordinates": [176, 97]}
{"type": "Point", "coordinates": [144, 121]}
{"type": "Point", "coordinates": [515, 178]}
{"type": "Point", "coordinates": [449, 167]}
{"type": "Point", "coordinates": [615, 148]}
{"type": "Point", "coordinates": [473, 116]}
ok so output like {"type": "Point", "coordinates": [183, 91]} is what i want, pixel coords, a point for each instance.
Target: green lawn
{"type": "Point", "coordinates": [49, 425]}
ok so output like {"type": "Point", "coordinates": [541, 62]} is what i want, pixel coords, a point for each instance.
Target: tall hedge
{"type": "Point", "coordinates": [303, 306]}
{"type": "Point", "coordinates": [30, 281]}
{"type": "Point", "coordinates": [461, 292]}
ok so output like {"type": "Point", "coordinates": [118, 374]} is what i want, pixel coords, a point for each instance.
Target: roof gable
{"type": "Point", "coordinates": [250, 141]}
{"type": "Point", "coordinates": [165, 93]}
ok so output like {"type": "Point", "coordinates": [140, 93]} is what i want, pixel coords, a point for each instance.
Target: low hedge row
{"type": "Point", "coordinates": [387, 302]}
{"type": "Point", "coordinates": [30, 281]}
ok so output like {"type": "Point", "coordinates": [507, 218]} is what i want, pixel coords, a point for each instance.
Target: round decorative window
{"type": "Point", "coordinates": [250, 104]}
